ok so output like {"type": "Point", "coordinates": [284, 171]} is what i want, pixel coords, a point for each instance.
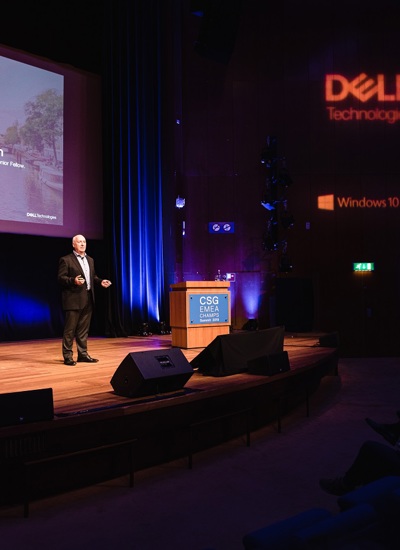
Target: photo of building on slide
{"type": "Point", "coordinates": [31, 143]}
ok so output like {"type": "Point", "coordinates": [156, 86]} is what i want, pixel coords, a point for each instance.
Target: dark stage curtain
{"type": "Point", "coordinates": [134, 83]}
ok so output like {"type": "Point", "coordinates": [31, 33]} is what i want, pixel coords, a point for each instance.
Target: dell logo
{"type": "Point", "coordinates": [363, 88]}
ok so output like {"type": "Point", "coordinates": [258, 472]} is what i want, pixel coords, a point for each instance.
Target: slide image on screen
{"type": "Point", "coordinates": [31, 143]}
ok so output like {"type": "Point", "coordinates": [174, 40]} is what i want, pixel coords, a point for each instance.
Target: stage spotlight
{"type": "Point", "coordinates": [267, 158]}
{"type": "Point", "coordinates": [285, 180]}
{"type": "Point", "coordinates": [180, 202]}
{"type": "Point", "coordinates": [268, 154]}
{"type": "Point", "coordinates": [144, 330]}
{"type": "Point", "coordinates": [270, 245]}
{"type": "Point", "coordinates": [285, 265]}
{"type": "Point", "coordinates": [162, 328]}
{"type": "Point", "coordinates": [287, 220]}
{"type": "Point", "coordinates": [197, 8]}
{"type": "Point", "coordinates": [268, 205]}
{"type": "Point", "coordinates": [250, 325]}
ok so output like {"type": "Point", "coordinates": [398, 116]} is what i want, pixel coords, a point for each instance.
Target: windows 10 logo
{"type": "Point", "coordinates": [326, 202]}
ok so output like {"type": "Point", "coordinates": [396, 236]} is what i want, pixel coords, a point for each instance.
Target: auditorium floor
{"type": "Point", "coordinates": [232, 489]}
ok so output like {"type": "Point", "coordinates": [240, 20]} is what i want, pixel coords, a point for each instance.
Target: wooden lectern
{"type": "Point", "coordinates": [199, 311]}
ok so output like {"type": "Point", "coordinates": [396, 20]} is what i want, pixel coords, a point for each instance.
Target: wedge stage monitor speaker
{"type": "Point", "coordinates": [23, 407]}
{"type": "Point", "coordinates": [268, 365]}
{"type": "Point", "coordinates": [229, 354]}
{"type": "Point", "coordinates": [146, 373]}
{"type": "Point", "coordinates": [329, 340]}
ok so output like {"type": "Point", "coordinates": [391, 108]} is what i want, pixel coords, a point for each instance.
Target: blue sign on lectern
{"type": "Point", "coordinates": [207, 309]}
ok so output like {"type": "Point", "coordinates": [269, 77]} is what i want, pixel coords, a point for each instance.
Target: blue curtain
{"type": "Point", "coordinates": [133, 85]}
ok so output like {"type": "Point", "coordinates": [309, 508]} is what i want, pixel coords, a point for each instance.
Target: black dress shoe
{"type": "Point", "coordinates": [384, 430]}
{"type": "Point", "coordinates": [69, 362]}
{"type": "Point", "coordinates": [87, 359]}
{"type": "Point", "coordinates": [336, 486]}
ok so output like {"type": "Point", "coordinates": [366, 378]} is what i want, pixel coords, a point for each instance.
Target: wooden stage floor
{"type": "Point", "coordinates": [36, 364]}
{"type": "Point", "coordinates": [92, 423]}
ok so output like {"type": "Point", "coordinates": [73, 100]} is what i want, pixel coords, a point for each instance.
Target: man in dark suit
{"type": "Point", "coordinates": [77, 278]}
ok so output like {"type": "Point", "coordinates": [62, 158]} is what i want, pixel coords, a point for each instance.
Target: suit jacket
{"type": "Point", "coordinates": [72, 295]}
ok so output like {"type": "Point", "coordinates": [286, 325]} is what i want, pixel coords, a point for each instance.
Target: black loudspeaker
{"type": "Point", "coordinates": [329, 340]}
{"type": "Point", "coordinates": [144, 373]}
{"type": "Point", "coordinates": [268, 365]}
{"type": "Point", "coordinates": [294, 304]}
{"type": "Point", "coordinates": [229, 353]}
{"type": "Point", "coordinates": [22, 407]}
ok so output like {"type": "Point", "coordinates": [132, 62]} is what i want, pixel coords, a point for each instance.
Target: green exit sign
{"type": "Point", "coordinates": [363, 266]}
